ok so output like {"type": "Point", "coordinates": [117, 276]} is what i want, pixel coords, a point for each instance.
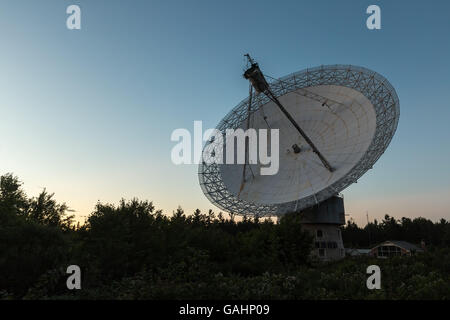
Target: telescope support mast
{"type": "Point", "coordinates": [257, 79]}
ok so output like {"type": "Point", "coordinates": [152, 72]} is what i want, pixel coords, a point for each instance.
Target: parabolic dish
{"type": "Point", "coordinates": [350, 113]}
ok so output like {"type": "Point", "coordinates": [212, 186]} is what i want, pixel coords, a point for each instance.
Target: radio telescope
{"type": "Point", "coordinates": [334, 123]}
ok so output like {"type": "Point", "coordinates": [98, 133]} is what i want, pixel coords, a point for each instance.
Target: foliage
{"type": "Point", "coordinates": [133, 251]}
{"type": "Point", "coordinates": [411, 230]}
{"type": "Point", "coordinates": [402, 278]}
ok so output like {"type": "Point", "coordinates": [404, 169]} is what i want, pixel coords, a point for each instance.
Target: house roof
{"type": "Point", "coordinates": [402, 244]}
{"type": "Point", "coordinates": [354, 251]}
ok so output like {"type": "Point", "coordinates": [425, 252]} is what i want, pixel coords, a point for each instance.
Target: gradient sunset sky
{"type": "Point", "coordinates": [88, 113]}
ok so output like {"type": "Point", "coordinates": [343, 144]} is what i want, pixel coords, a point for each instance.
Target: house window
{"type": "Point", "coordinates": [331, 245]}
{"type": "Point", "coordinates": [319, 233]}
{"type": "Point", "coordinates": [389, 251]}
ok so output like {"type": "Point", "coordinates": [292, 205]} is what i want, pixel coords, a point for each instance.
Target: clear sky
{"type": "Point", "coordinates": [88, 113]}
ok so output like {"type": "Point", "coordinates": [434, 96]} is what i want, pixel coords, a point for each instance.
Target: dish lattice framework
{"type": "Point", "coordinates": [371, 84]}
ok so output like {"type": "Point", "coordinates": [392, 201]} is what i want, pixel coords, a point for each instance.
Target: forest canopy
{"type": "Point", "coordinates": [134, 251]}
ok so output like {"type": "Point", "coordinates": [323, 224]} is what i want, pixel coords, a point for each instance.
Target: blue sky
{"type": "Point", "coordinates": [89, 113]}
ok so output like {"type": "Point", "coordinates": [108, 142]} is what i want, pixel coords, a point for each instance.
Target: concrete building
{"type": "Point", "coordinates": [323, 221]}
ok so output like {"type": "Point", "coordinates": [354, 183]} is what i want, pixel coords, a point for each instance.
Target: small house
{"type": "Point", "coordinates": [394, 248]}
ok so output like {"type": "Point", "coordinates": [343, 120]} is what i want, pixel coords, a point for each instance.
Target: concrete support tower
{"type": "Point", "coordinates": [323, 222]}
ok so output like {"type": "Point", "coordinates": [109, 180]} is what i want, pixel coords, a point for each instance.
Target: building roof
{"type": "Point", "coordinates": [402, 244]}
{"type": "Point", "coordinates": [353, 251]}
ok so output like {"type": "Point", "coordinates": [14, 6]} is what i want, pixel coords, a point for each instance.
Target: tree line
{"type": "Point", "coordinates": [415, 230]}
{"type": "Point", "coordinates": [134, 251]}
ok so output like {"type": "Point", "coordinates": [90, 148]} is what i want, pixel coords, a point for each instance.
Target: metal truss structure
{"type": "Point", "coordinates": [371, 84]}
